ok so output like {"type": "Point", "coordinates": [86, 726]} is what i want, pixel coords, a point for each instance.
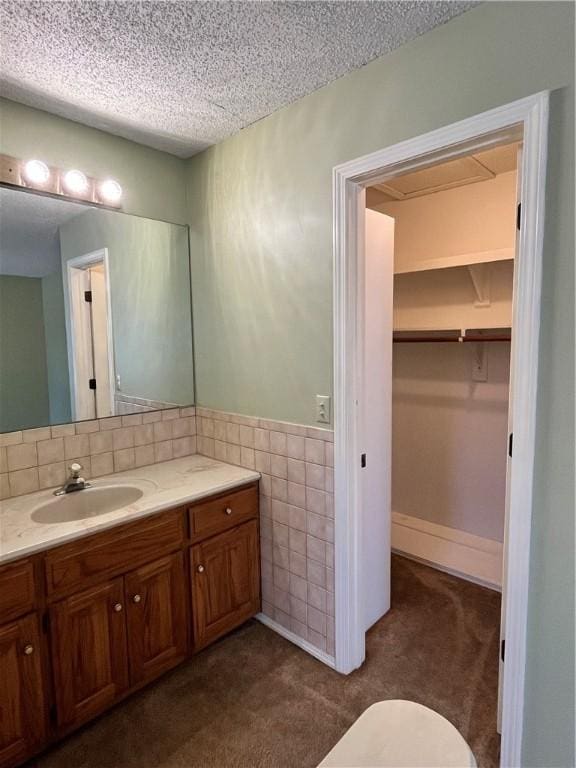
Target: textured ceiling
{"type": "Point", "coordinates": [180, 76]}
{"type": "Point", "coordinates": [29, 237]}
{"type": "Point", "coordinates": [454, 173]}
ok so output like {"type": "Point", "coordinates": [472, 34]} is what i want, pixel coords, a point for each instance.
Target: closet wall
{"type": "Point", "coordinates": [464, 224]}
{"type": "Point", "coordinates": [450, 436]}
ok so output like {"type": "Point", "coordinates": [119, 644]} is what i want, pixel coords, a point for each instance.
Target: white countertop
{"type": "Point", "coordinates": [165, 485]}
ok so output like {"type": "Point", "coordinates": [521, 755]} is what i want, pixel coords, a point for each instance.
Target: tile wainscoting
{"type": "Point", "coordinates": [296, 491]}
{"type": "Point", "coordinates": [296, 515]}
{"type": "Point", "coordinates": [35, 459]}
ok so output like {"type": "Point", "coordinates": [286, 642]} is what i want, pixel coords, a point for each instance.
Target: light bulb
{"type": "Point", "coordinates": [36, 172]}
{"type": "Point", "coordinates": [110, 191]}
{"type": "Point", "coordinates": [75, 182]}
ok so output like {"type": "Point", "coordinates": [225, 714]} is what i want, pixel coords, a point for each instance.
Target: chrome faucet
{"type": "Point", "coordinates": [74, 482]}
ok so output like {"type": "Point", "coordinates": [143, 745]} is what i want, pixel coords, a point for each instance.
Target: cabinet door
{"type": "Point", "coordinates": [89, 652]}
{"type": "Point", "coordinates": [156, 610]}
{"type": "Point", "coordinates": [22, 702]}
{"type": "Point", "coordinates": [225, 582]}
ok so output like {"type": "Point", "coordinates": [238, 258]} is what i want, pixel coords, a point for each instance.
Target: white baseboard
{"type": "Point", "coordinates": [322, 656]}
{"type": "Point", "coordinates": [462, 554]}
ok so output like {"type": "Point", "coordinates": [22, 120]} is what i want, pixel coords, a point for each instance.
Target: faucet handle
{"type": "Point", "coordinates": [75, 469]}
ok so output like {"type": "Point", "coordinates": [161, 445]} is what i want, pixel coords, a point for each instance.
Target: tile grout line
{"type": "Point", "coordinates": [296, 490]}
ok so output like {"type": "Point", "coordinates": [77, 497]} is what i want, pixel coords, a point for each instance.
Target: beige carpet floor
{"type": "Point", "coordinates": [254, 699]}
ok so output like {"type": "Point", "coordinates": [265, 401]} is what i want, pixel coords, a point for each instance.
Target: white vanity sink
{"type": "Point", "coordinates": [90, 502]}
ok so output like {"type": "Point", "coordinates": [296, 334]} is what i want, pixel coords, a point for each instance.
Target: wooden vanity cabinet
{"type": "Point", "coordinates": [22, 692]}
{"type": "Point", "coordinates": [17, 589]}
{"type": "Point", "coordinates": [225, 572]}
{"type": "Point", "coordinates": [115, 636]}
{"type": "Point", "coordinates": [88, 622]}
{"type": "Point", "coordinates": [74, 566]}
{"type": "Point", "coordinates": [89, 657]}
{"type": "Point", "coordinates": [23, 689]}
{"type": "Point", "coordinates": [219, 514]}
{"type": "Point", "coordinates": [156, 617]}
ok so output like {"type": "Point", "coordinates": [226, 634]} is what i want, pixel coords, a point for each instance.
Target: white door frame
{"type": "Point", "coordinates": [83, 262]}
{"type": "Point", "coordinates": [529, 118]}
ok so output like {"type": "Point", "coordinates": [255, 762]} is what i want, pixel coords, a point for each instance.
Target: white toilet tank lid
{"type": "Point", "coordinates": [400, 734]}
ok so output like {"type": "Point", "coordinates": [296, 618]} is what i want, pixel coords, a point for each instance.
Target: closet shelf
{"type": "Point", "coordinates": [459, 260]}
{"type": "Point", "coordinates": [459, 336]}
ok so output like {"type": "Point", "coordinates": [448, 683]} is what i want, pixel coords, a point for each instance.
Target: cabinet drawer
{"type": "Point", "coordinates": [216, 515]}
{"type": "Point", "coordinates": [17, 593]}
{"type": "Point", "coordinates": [81, 563]}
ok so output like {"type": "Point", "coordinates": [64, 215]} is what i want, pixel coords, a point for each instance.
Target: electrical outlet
{"type": "Point", "coordinates": [323, 409]}
{"type": "Point", "coordinates": [480, 363]}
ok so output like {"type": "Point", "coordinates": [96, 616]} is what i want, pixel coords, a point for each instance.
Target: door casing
{"type": "Point", "coordinates": [526, 119]}
{"type": "Point", "coordinates": [77, 347]}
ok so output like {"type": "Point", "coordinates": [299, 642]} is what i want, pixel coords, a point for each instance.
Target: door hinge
{"type": "Point", "coordinates": [363, 460]}
{"type": "Point", "coordinates": [502, 649]}
{"type": "Point", "coordinates": [92, 383]}
{"type": "Point", "coordinates": [510, 443]}
{"type": "Point", "coordinates": [518, 215]}
{"type": "Point", "coordinates": [88, 296]}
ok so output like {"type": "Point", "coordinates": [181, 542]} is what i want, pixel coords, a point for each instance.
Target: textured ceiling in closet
{"type": "Point", "coordinates": [465, 170]}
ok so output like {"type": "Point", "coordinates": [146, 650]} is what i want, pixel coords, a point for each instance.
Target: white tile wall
{"type": "Point", "coordinates": [34, 459]}
{"type": "Point", "coordinates": [296, 514]}
{"type": "Point", "coordinates": [296, 490]}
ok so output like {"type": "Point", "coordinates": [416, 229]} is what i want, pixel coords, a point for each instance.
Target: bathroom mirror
{"type": "Point", "coordinates": [95, 312]}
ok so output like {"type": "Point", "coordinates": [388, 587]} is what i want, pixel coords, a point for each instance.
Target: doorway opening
{"type": "Point", "coordinates": [447, 238]}
{"type": "Point", "coordinates": [90, 345]}
{"type": "Point", "coordinates": [363, 361]}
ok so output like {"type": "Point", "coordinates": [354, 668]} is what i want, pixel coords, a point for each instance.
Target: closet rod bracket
{"type": "Point", "coordinates": [480, 276]}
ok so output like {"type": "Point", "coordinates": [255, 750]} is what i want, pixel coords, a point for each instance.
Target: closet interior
{"type": "Point", "coordinates": [454, 245]}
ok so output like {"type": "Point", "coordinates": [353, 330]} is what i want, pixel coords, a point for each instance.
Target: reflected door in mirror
{"type": "Point", "coordinates": [90, 337]}
{"type": "Point", "coordinates": [63, 358]}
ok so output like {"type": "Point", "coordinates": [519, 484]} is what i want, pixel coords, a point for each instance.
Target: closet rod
{"type": "Point", "coordinates": [444, 339]}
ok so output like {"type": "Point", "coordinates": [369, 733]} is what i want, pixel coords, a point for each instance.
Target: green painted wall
{"type": "Point", "coordinates": [260, 209]}
{"type": "Point", "coordinates": [150, 294]}
{"type": "Point", "coordinates": [56, 352]}
{"type": "Point", "coordinates": [153, 182]}
{"type": "Point", "coordinates": [23, 378]}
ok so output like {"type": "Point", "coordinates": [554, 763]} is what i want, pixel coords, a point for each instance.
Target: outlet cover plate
{"type": "Point", "coordinates": [480, 363]}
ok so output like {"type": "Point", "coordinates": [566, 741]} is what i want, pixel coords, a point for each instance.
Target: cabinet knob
{"type": "Point", "coordinates": [200, 569]}
{"type": "Point", "coordinates": [136, 598]}
{"type": "Point", "coordinates": [228, 511]}
{"type": "Point", "coordinates": [118, 607]}
{"type": "Point", "coordinates": [28, 649]}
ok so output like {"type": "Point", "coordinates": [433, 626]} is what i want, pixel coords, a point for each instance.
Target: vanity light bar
{"type": "Point", "coordinates": [36, 172]}
{"type": "Point", "coordinates": [70, 183]}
